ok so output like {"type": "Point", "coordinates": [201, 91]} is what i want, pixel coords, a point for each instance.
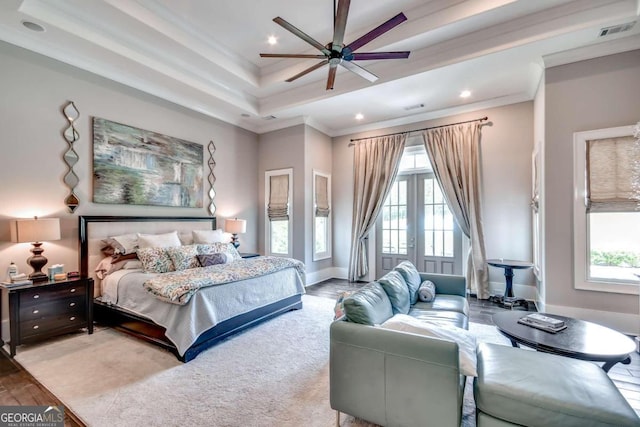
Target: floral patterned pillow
{"type": "Point", "coordinates": [184, 257]}
{"type": "Point", "coordinates": [216, 248]}
{"type": "Point", "coordinates": [155, 260]}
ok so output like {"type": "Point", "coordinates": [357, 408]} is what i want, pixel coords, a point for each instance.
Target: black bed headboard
{"type": "Point", "coordinates": [84, 221]}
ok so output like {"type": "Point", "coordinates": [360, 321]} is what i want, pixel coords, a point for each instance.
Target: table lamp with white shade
{"type": "Point", "coordinates": [235, 226]}
{"type": "Point", "coordinates": [36, 231]}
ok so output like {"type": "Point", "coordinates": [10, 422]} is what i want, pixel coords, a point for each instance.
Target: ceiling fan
{"type": "Point", "coordinates": [336, 53]}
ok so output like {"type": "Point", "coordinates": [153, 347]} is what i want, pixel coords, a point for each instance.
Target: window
{"type": "Point", "coordinates": [438, 221]}
{"type": "Point", "coordinates": [606, 212]}
{"type": "Point", "coordinates": [279, 218]}
{"type": "Point", "coordinates": [394, 219]}
{"type": "Point", "coordinates": [321, 216]}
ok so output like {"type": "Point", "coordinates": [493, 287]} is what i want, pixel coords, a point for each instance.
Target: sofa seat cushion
{"type": "Point", "coordinates": [370, 305]}
{"type": "Point", "coordinates": [396, 288]}
{"type": "Point", "coordinates": [440, 317]}
{"type": "Point", "coordinates": [519, 386]}
{"type": "Point", "coordinates": [446, 303]}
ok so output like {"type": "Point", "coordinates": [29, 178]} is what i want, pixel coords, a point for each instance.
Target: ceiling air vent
{"type": "Point", "coordinates": [616, 29]}
{"type": "Point", "coordinates": [269, 117]}
{"type": "Point", "coordinates": [413, 107]}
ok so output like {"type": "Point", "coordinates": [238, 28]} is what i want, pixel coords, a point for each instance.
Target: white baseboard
{"type": "Point", "coordinates": [326, 273]}
{"type": "Point", "coordinates": [527, 292]}
{"type": "Point", "coordinates": [627, 323]}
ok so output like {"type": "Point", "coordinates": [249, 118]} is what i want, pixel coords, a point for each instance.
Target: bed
{"type": "Point", "coordinates": [212, 313]}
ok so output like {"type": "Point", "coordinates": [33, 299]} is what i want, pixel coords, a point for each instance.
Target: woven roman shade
{"type": "Point", "coordinates": [278, 208]}
{"type": "Point", "coordinates": [610, 175]}
{"type": "Point", "coordinates": [322, 196]}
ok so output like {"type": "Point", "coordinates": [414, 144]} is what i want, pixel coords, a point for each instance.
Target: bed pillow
{"type": "Point", "coordinates": [212, 259]}
{"type": "Point", "coordinates": [209, 236]}
{"type": "Point", "coordinates": [165, 240]}
{"type": "Point", "coordinates": [216, 248]}
{"type": "Point", "coordinates": [183, 257]}
{"type": "Point", "coordinates": [155, 260]}
{"type": "Point", "coordinates": [123, 244]}
{"type": "Point", "coordinates": [465, 339]}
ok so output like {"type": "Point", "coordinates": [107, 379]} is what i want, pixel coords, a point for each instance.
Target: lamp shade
{"type": "Point", "coordinates": [235, 226]}
{"type": "Point", "coordinates": [35, 230]}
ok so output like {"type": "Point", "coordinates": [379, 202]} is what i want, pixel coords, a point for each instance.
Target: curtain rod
{"type": "Point", "coordinates": [418, 130]}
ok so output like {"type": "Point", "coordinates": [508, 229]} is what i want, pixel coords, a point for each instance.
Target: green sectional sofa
{"type": "Point", "coordinates": [395, 378]}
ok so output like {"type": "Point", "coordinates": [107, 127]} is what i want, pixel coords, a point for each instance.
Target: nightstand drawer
{"type": "Point", "coordinates": [51, 292]}
{"type": "Point", "coordinates": [60, 322]}
{"type": "Point", "coordinates": [46, 307]}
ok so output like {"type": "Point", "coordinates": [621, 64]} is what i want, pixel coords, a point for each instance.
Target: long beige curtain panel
{"type": "Point", "coordinates": [454, 152]}
{"type": "Point", "coordinates": [278, 208]}
{"type": "Point", "coordinates": [376, 162]}
{"type": "Point", "coordinates": [322, 196]}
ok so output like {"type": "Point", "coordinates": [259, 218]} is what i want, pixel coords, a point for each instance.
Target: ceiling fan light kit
{"type": "Point", "coordinates": [335, 52]}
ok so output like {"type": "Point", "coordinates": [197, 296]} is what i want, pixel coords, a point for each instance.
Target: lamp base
{"type": "Point", "coordinates": [37, 261]}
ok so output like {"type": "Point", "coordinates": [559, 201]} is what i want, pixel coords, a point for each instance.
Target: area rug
{"type": "Point", "coordinates": [275, 374]}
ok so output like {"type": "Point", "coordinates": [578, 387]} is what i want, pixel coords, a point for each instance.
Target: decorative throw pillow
{"type": "Point", "coordinates": [465, 339]}
{"type": "Point", "coordinates": [123, 244]}
{"type": "Point", "coordinates": [184, 257]}
{"type": "Point", "coordinates": [155, 260]}
{"type": "Point", "coordinates": [411, 277]}
{"type": "Point", "coordinates": [209, 236]}
{"type": "Point", "coordinates": [212, 259]}
{"type": "Point", "coordinates": [216, 248]}
{"type": "Point", "coordinates": [338, 309]}
{"type": "Point", "coordinates": [397, 290]}
{"type": "Point", "coordinates": [427, 291]}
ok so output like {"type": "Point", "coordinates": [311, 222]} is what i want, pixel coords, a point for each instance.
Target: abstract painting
{"type": "Point", "coordinates": [138, 167]}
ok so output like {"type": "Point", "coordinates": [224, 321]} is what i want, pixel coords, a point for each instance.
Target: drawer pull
{"type": "Point", "coordinates": [36, 311]}
{"type": "Point", "coordinates": [72, 318]}
{"type": "Point", "coordinates": [73, 304]}
{"type": "Point", "coordinates": [36, 296]}
{"type": "Point", "coordinates": [72, 290]}
{"type": "Point", "coordinates": [36, 327]}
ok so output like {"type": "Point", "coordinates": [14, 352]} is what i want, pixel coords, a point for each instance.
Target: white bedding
{"type": "Point", "coordinates": [207, 308]}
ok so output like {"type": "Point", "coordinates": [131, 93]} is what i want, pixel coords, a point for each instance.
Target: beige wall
{"type": "Point", "coordinates": [587, 95]}
{"type": "Point", "coordinates": [34, 89]}
{"type": "Point", "coordinates": [506, 149]}
{"type": "Point", "coordinates": [304, 149]}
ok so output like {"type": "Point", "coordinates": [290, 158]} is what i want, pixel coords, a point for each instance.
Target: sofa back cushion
{"type": "Point", "coordinates": [397, 290]}
{"type": "Point", "coordinates": [411, 276]}
{"type": "Point", "coordinates": [370, 305]}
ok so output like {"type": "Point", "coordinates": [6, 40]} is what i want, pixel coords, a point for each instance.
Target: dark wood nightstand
{"type": "Point", "coordinates": [248, 255]}
{"type": "Point", "coordinates": [46, 309]}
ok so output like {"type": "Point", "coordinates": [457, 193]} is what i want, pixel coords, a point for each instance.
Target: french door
{"type": "Point", "coordinates": [416, 225]}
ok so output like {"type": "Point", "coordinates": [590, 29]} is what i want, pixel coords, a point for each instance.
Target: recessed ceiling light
{"type": "Point", "coordinates": [33, 26]}
{"type": "Point", "coordinates": [359, 116]}
{"type": "Point", "coordinates": [465, 94]}
{"type": "Point", "coordinates": [272, 40]}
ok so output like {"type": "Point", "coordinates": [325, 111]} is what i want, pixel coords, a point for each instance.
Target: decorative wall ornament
{"type": "Point", "coordinates": [138, 167]}
{"type": "Point", "coordinates": [212, 178]}
{"type": "Point", "coordinates": [71, 135]}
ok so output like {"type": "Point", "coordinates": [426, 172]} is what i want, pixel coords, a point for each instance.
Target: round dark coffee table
{"type": "Point", "coordinates": [580, 340]}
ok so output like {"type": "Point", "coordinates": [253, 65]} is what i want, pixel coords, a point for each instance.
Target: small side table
{"type": "Point", "coordinates": [508, 299]}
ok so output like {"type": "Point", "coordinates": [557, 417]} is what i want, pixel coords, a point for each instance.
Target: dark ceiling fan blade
{"type": "Point", "coordinates": [359, 71]}
{"type": "Point", "coordinates": [332, 76]}
{"type": "Point", "coordinates": [340, 24]}
{"type": "Point", "coordinates": [377, 32]}
{"type": "Point", "coordinates": [308, 70]}
{"type": "Point", "coordinates": [284, 24]}
{"type": "Point", "coordinates": [291, 55]}
{"type": "Point", "coordinates": [380, 55]}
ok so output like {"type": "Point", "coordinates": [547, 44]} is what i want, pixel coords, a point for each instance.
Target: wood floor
{"type": "Point", "coordinates": [18, 387]}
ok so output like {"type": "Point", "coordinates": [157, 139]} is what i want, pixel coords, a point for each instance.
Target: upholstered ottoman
{"type": "Point", "coordinates": [527, 388]}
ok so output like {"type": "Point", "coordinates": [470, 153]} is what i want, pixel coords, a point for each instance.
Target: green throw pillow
{"type": "Point", "coordinates": [370, 305]}
{"type": "Point", "coordinates": [411, 277]}
{"type": "Point", "coordinates": [396, 288]}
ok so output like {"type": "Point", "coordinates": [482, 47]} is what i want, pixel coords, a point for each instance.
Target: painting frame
{"type": "Point", "coordinates": [133, 166]}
